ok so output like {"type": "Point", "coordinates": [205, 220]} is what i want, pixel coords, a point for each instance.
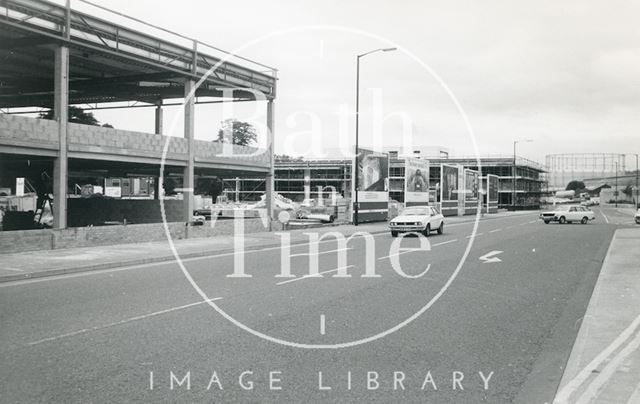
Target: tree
{"type": "Point", "coordinates": [575, 185]}
{"type": "Point", "coordinates": [243, 133]}
{"type": "Point", "coordinates": [77, 115]}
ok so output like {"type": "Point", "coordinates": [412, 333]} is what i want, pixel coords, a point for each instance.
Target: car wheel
{"type": "Point", "coordinates": [547, 221]}
{"type": "Point", "coordinates": [441, 228]}
{"type": "Point", "coordinates": [584, 220]}
{"type": "Point", "coordinates": [562, 220]}
{"type": "Point", "coordinates": [394, 234]}
{"type": "Point", "coordinates": [427, 231]}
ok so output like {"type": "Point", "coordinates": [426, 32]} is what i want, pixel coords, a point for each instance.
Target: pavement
{"type": "Point", "coordinates": [35, 264]}
{"type": "Point", "coordinates": [494, 318]}
{"type": "Point", "coordinates": [604, 366]}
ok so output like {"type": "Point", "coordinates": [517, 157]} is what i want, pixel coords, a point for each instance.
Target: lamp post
{"type": "Point", "coordinates": [615, 191]}
{"type": "Point", "coordinates": [513, 197]}
{"type": "Point", "coordinates": [636, 200]}
{"type": "Point", "coordinates": [355, 172]}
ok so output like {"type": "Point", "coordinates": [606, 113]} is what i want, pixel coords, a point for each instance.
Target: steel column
{"type": "Point", "coordinates": [189, 129]}
{"type": "Point", "coordinates": [269, 181]}
{"type": "Point", "coordinates": [61, 115]}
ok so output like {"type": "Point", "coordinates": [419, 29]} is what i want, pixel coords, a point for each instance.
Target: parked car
{"type": "Point", "coordinates": [567, 214]}
{"type": "Point", "coordinates": [417, 219]}
{"type": "Point", "coordinates": [638, 216]}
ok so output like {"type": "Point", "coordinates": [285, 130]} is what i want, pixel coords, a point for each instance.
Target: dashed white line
{"type": "Point", "coordinates": [475, 235]}
{"type": "Point", "coordinates": [417, 249]}
{"type": "Point", "coordinates": [128, 320]}
{"type": "Point", "coordinates": [495, 230]}
{"type": "Point", "coordinates": [321, 252]}
{"type": "Point", "coordinates": [12, 269]}
{"type": "Point", "coordinates": [322, 324]}
{"type": "Point", "coordinates": [606, 219]}
{"type": "Point", "coordinates": [313, 276]}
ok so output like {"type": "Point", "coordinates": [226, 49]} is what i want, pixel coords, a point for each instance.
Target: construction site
{"type": "Point", "coordinates": [58, 174]}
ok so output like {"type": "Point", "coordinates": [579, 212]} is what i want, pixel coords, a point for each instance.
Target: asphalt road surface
{"type": "Point", "coordinates": [501, 310]}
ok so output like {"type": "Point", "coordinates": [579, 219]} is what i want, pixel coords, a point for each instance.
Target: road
{"type": "Point", "coordinates": [494, 330]}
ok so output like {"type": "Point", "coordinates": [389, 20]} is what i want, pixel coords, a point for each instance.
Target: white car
{"type": "Point", "coordinates": [417, 219]}
{"type": "Point", "coordinates": [638, 216]}
{"type": "Point", "coordinates": [568, 213]}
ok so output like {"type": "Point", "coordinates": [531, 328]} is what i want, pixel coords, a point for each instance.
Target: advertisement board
{"type": "Point", "coordinates": [416, 181]}
{"type": "Point", "coordinates": [492, 185]}
{"type": "Point", "coordinates": [449, 183]}
{"type": "Point", "coordinates": [471, 191]}
{"type": "Point", "coordinates": [471, 186]}
{"type": "Point", "coordinates": [372, 169]}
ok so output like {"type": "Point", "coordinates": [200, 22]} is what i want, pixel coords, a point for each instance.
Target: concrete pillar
{"type": "Point", "coordinates": [61, 115]}
{"type": "Point", "coordinates": [158, 120]}
{"type": "Point", "coordinates": [189, 129]}
{"type": "Point", "coordinates": [269, 180]}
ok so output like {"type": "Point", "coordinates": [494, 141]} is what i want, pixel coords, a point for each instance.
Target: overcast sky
{"type": "Point", "coordinates": [564, 74]}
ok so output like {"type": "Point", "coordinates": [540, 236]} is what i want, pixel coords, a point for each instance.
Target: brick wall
{"type": "Point", "coordinates": [96, 139]}
{"type": "Point", "coordinates": [30, 132]}
{"type": "Point", "coordinates": [49, 239]}
{"type": "Point", "coordinates": [42, 133]}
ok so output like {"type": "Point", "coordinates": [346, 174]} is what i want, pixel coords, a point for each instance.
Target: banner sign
{"type": "Point", "coordinates": [471, 186]}
{"type": "Point", "coordinates": [416, 180]}
{"type": "Point", "coordinates": [448, 183]}
{"type": "Point", "coordinates": [373, 176]}
{"type": "Point", "coordinates": [372, 169]}
{"type": "Point", "coordinates": [492, 188]}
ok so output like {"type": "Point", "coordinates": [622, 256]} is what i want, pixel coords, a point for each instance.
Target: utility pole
{"type": "Point", "coordinates": [615, 191]}
{"type": "Point", "coordinates": [354, 174]}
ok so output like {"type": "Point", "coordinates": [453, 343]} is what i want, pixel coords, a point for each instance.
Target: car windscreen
{"type": "Point", "coordinates": [415, 212]}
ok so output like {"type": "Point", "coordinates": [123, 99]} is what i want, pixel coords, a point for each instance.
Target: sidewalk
{"type": "Point", "coordinates": [34, 264]}
{"type": "Point", "coordinates": [604, 365]}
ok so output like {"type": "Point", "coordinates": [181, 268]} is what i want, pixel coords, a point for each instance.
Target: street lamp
{"type": "Point", "coordinates": [636, 200]}
{"type": "Point", "coordinates": [354, 174]}
{"type": "Point", "coordinates": [513, 197]}
{"type": "Point", "coordinates": [615, 191]}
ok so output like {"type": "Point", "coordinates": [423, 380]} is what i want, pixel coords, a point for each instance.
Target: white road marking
{"type": "Point", "coordinates": [398, 253]}
{"type": "Point", "coordinates": [417, 249]}
{"type": "Point", "coordinates": [595, 387]}
{"type": "Point", "coordinates": [322, 321]}
{"type": "Point", "coordinates": [321, 252]}
{"type": "Point", "coordinates": [313, 276]}
{"type": "Point", "coordinates": [489, 257]}
{"type": "Point", "coordinates": [524, 224]}
{"type": "Point", "coordinates": [606, 219]}
{"type": "Point", "coordinates": [128, 320]}
{"type": "Point", "coordinates": [12, 269]}
{"type": "Point", "coordinates": [475, 235]}
{"type": "Point", "coordinates": [444, 242]}
{"type": "Point", "coordinates": [566, 392]}
{"type": "Point", "coordinates": [495, 230]}
{"type": "Point", "coordinates": [533, 221]}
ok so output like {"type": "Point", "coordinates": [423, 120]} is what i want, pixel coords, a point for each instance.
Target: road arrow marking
{"type": "Point", "coordinates": [489, 257]}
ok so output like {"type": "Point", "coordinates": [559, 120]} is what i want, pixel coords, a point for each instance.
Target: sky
{"type": "Point", "coordinates": [467, 75]}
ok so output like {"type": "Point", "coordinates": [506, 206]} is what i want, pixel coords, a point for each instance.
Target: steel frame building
{"type": "Point", "coordinates": [290, 179]}
{"type": "Point", "coordinates": [54, 56]}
